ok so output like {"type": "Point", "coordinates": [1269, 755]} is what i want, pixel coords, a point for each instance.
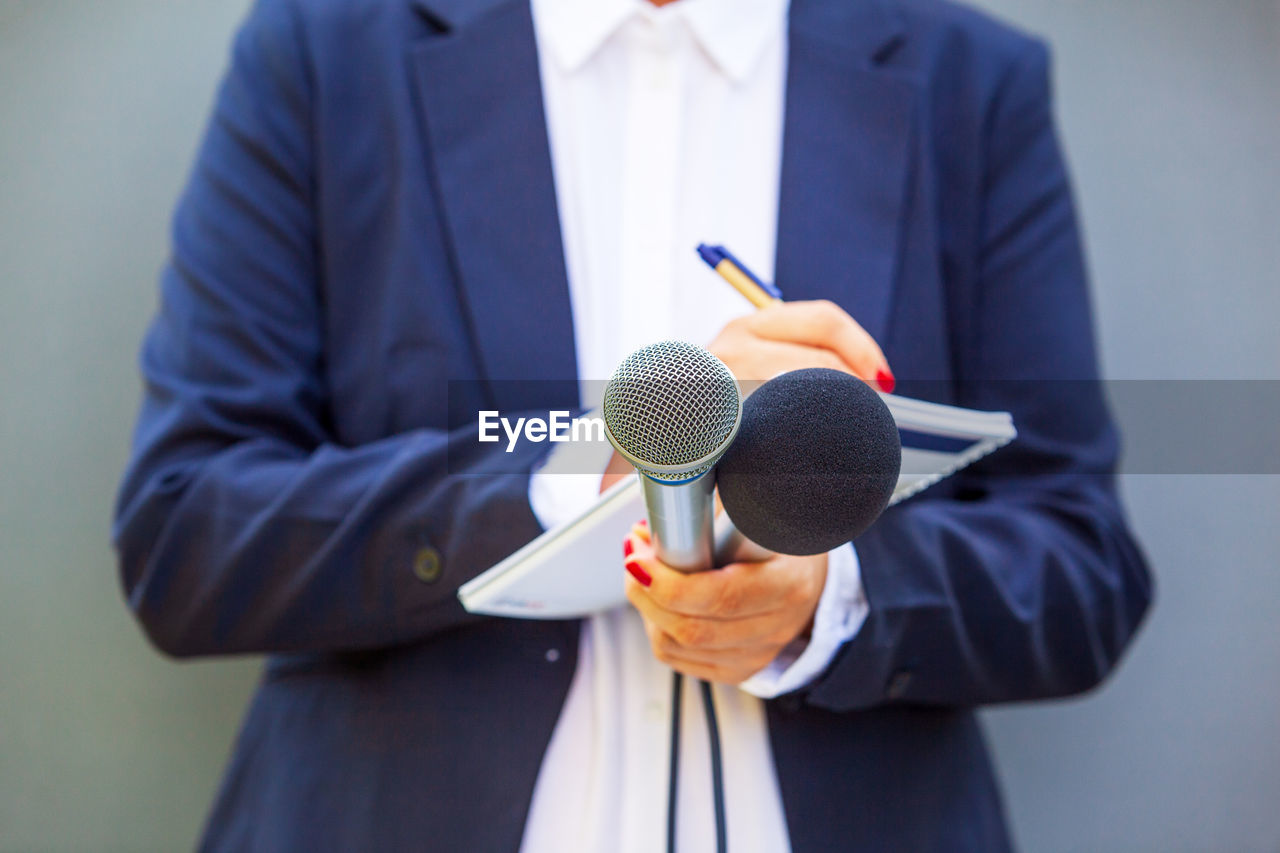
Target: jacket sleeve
{"type": "Point", "coordinates": [1020, 580]}
{"type": "Point", "coordinates": [241, 525]}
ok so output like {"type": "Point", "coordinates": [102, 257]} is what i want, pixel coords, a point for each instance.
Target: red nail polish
{"type": "Point", "coordinates": [885, 380]}
{"type": "Point", "coordinates": [627, 547]}
{"type": "Point", "coordinates": [644, 522]}
{"type": "Point", "coordinates": [633, 568]}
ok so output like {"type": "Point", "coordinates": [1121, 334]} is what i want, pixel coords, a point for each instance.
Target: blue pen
{"type": "Point", "coordinates": [763, 295]}
{"type": "Point", "coordinates": [737, 274]}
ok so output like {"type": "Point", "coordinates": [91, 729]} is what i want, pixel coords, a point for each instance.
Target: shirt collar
{"type": "Point", "coordinates": [733, 33]}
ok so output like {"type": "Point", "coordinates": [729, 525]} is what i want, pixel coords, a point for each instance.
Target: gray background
{"type": "Point", "coordinates": [1173, 127]}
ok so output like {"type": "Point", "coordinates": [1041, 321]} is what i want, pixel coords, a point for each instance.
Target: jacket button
{"type": "Point", "coordinates": [426, 565]}
{"type": "Point", "coordinates": [898, 684]}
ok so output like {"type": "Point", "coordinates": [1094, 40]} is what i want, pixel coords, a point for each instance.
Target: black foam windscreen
{"type": "Point", "coordinates": [814, 464]}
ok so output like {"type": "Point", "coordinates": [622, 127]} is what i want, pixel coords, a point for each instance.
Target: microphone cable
{"type": "Point", "coordinates": [717, 768]}
{"type": "Point", "coordinates": [673, 774]}
{"type": "Point", "coordinates": [717, 771]}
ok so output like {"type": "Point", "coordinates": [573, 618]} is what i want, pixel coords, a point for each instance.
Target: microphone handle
{"type": "Point", "coordinates": [681, 521]}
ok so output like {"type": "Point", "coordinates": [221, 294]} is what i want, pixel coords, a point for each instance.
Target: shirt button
{"type": "Point", "coordinates": [426, 565]}
{"type": "Point", "coordinates": [553, 655]}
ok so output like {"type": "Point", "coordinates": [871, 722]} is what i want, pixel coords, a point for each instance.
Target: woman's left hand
{"type": "Point", "coordinates": [726, 624]}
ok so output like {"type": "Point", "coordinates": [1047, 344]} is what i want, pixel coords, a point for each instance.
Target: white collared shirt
{"type": "Point", "coordinates": [665, 127]}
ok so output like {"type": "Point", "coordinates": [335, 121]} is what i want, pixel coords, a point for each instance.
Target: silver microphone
{"type": "Point", "coordinates": [672, 409]}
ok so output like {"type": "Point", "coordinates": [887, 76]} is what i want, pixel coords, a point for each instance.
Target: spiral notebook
{"type": "Point", "coordinates": [576, 569]}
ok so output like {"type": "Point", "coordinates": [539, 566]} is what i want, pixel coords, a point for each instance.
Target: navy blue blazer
{"type": "Point", "coordinates": [372, 215]}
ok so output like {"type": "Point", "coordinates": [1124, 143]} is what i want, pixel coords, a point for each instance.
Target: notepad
{"type": "Point", "coordinates": [575, 569]}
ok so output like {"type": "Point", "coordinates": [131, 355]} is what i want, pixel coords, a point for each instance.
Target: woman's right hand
{"type": "Point", "coordinates": [794, 335]}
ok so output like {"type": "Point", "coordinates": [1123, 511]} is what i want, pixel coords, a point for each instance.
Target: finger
{"type": "Point", "coordinates": [825, 324]}
{"type": "Point", "coordinates": [641, 531]}
{"type": "Point", "coordinates": [637, 538]}
{"type": "Point", "coordinates": [778, 357]}
{"type": "Point", "coordinates": [744, 662]}
{"type": "Point", "coordinates": [725, 668]}
{"type": "Point", "coordinates": [785, 357]}
{"type": "Point", "coordinates": [769, 358]}
{"type": "Point", "coordinates": [693, 633]}
{"type": "Point", "coordinates": [734, 591]}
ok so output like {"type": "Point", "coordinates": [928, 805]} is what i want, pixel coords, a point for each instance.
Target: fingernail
{"type": "Point", "coordinates": [627, 547]}
{"type": "Point", "coordinates": [885, 380]}
{"type": "Point", "coordinates": [644, 522]}
{"type": "Point", "coordinates": [633, 568]}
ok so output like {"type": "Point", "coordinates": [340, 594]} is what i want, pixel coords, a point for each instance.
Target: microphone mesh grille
{"type": "Point", "coordinates": [672, 404]}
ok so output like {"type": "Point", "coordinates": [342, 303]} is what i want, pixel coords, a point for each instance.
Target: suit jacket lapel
{"type": "Point", "coordinates": [847, 143]}
{"type": "Point", "coordinates": [846, 159]}
{"type": "Point", "coordinates": [481, 100]}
